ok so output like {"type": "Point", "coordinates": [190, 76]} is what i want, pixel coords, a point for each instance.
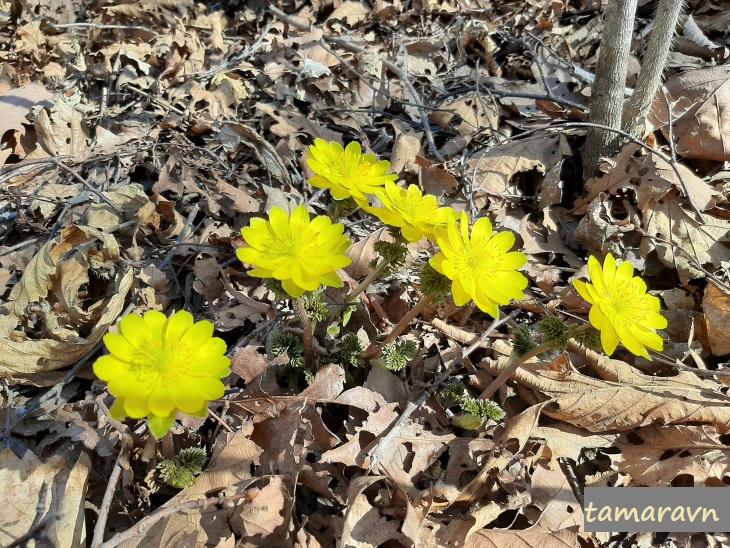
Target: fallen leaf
{"type": "Point", "coordinates": [716, 306]}
{"type": "Point", "coordinates": [55, 487]}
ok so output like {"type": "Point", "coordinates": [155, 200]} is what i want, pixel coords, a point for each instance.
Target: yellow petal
{"type": "Point", "coordinates": [609, 340]}
{"type": "Point", "coordinates": [461, 297]}
{"type": "Point", "coordinates": [162, 400]}
{"type": "Point", "coordinates": [609, 271]}
{"type": "Point", "coordinates": [625, 273]}
{"type": "Point", "coordinates": [119, 346]}
{"type": "Point", "coordinates": [582, 288]}
{"type": "Point", "coordinates": [117, 411]}
{"type": "Point", "coordinates": [596, 275]}
{"type": "Point", "coordinates": [197, 335]}
{"type": "Point", "coordinates": [292, 289]}
{"type": "Point", "coordinates": [109, 367]}
{"type": "Point", "coordinates": [177, 325]}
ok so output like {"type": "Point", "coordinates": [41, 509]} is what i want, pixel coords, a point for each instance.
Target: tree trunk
{"type": "Point", "coordinates": [607, 95]}
{"type": "Point", "coordinates": [650, 76]}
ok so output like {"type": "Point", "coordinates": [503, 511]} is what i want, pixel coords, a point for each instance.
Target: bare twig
{"type": "Point", "coordinates": [88, 186]}
{"type": "Point", "coordinates": [111, 487]}
{"type": "Point", "coordinates": [100, 27]}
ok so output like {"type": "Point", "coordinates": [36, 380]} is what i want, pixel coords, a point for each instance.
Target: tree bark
{"type": "Point", "coordinates": [607, 95]}
{"type": "Point", "coordinates": [650, 76]}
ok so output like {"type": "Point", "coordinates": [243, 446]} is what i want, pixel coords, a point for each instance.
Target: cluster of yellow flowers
{"type": "Point", "coordinates": [159, 366]}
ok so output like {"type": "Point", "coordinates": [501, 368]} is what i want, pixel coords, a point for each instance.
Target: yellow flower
{"type": "Point", "coordinates": [159, 366]}
{"type": "Point", "coordinates": [299, 253]}
{"type": "Point", "coordinates": [346, 171]}
{"type": "Point", "coordinates": [415, 214]}
{"type": "Point", "coordinates": [622, 311]}
{"type": "Point", "coordinates": [479, 264]}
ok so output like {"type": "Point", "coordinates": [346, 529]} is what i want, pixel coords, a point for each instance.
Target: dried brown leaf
{"type": "Point", "coordinates": [494, 168]}
{"type": "Point", "coordinates": [235, 136]}
{"type": "Point", "coordinates": [62, 486]}
{"type": "Point", "coordinates": [716, 305]}
{"type": "Point", "coordinates": [697, 102]}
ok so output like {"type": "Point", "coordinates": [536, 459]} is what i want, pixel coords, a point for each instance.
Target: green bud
{"type": "Point", "coordinates": [393, 252]}
{"type": "Point", "coordinates": [553, 328]}
{"type": "Point", "coordinates": [289, 343]}
{"type": "Point", "coordinates": [342, 208]}
{"type": "Point", "coordinates": [315, 306]}
{"type": "Point", "coordinates": [433, 282]}
{"type": "Point", "coordinates": [398, 354]}
{"type": "Point", "coordinates": [523, 340]}
{"type": "Point", "coordinates": [180, 471]}
{"type": "Point", "coordinates": [482, 408]}
{"type": "Point", "coordinates": [591, 339]}
{"type": "Point", "coordinates": [352, 352]}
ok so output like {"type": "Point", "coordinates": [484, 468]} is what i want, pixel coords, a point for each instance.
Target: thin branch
{"type": "Point", "coordinates": [111, 487]}
{"type": "Point", "coordinates": [100, 27]}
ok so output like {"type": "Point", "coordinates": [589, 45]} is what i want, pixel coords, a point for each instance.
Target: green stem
{"type": "Point", "coordinates": [352, 295]}
{"type": "Point", "coordinates": [516, 361]}
{"type": "Point", "coordinates": [308, 335]}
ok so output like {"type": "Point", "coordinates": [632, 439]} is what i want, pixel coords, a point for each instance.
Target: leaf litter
{"type": "Point", "coordinates": [138, 139]}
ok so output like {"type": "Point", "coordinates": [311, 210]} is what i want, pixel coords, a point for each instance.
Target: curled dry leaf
{"type": "Point", "coordinates": [625, 399]}
{"type": "Point", "coordinates": [53, 293]}
{"type": "Point", "coordinates": [682, 241]}
{"type": "Point", "coordinates": [131, 200]}
{"type": "Point", "coordinates": [655, 455]}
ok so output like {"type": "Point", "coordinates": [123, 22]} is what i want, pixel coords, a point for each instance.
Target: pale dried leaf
{"type": "Point", "coordinates": [62, 485]}
{"type": "Point", "coordinates": [698, 104]}
{"type": "Point", "coordinates": [494, 168]}
{"type": "Point", "coordinates": [365, 526]}
{"type": "Point", "coordinates": [682, 241]}
{"type": "Point", "coordinates": [655, 455]}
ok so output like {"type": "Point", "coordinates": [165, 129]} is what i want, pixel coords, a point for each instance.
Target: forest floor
{"type": "Point", "coordinates": [139, 138]}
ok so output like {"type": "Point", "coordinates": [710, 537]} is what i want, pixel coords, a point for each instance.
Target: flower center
{"type": "Point", "coordinates": [162, 363]}
{"type": "Point", "coordinates": [479, 262]}
{"type": "Point", "coordinates": [623, 304]}
{"type": "Point", "coordinates": [344, 169]}
{"type": "Point", "coordinates": [296, 246]}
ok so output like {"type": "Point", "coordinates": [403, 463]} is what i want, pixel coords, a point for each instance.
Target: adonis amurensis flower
{"type": "Point", "coordinates": [301, 254]}
{"type": "Point", "coordinates": [622, 310]}
{"type": "Point", "coordinates": [346, 171]}
{"type": "Point", "coordinates": [159, 366]}
{"type": "Point", "coordinates": [480, 264]}
{"type": "Point", "coordinates": [415, 214]}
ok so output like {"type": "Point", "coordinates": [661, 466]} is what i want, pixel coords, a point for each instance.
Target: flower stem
{"type": "Point", "coordinates": [516, 361]}
{"type": "Point", "coordinates": [308, 335]}
{"type": "Point", "coordinates": [352, 295]}
{"type": "Point", "coordinates": [408, 318]}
